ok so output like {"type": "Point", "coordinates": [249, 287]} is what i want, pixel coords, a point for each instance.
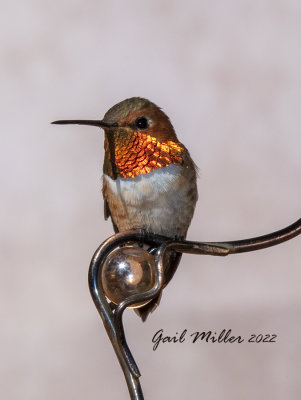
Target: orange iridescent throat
{"type": "Point", "coordinates": [139, 153]}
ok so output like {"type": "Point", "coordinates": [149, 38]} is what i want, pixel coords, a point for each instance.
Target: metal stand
{"type": "Point", "coordinates": [112, 316]}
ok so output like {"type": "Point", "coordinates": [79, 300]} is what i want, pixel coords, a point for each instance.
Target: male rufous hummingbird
{"type": "Point", "coordinates": [149, 178]}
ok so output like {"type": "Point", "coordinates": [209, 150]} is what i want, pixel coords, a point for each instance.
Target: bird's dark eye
{"type": "Point", "coordinates": [142, 123]}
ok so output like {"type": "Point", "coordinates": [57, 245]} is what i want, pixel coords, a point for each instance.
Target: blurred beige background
{"type": "Point", "coordinates": [228, 74]}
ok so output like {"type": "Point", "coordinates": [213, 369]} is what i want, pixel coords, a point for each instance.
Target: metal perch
{"type": "Point", "coordinates": [112, 315]}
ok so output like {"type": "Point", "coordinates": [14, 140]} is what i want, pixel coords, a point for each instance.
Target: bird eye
{"type": "Point", "coordinates": [142, 123]}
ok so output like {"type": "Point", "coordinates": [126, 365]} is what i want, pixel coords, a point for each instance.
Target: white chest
{"type": "Point", "coordinates": [148, 187]}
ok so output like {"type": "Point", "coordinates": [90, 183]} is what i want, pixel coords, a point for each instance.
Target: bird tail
{"type": "Point", "coordinates": [171, 263]}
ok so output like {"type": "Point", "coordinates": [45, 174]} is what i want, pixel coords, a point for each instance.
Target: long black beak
{"type": "Point", "coordinates": [100, 124]}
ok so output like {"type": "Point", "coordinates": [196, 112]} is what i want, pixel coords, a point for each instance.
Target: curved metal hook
{"type": "Point", "coordinates": [112, 319]}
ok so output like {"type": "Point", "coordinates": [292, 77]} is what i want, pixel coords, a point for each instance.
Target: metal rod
{"type": "Point", "coordinates": [113, 322]}
{"type": "Point", "coordinates": [262, 242]}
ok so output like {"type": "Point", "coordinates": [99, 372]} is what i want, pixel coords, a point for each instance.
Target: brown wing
{"type": "Point", "coordinates": [107, 211]}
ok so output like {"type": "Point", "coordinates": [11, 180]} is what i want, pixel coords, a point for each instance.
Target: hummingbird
{"type": "Point", "coordinates": [149, 177]}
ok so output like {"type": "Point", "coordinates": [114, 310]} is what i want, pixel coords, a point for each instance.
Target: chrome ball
{"type": "Point", "coordinates": [127, 271]}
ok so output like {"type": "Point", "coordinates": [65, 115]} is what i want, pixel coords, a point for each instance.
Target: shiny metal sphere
{"type": "Point", "coordinates": [127, 271]}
